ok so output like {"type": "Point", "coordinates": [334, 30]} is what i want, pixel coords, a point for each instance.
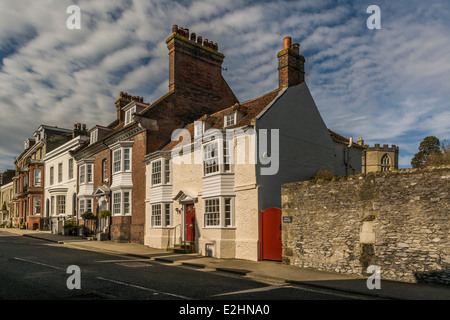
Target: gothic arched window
{"type": "Point", "coordinates": [385, 163]}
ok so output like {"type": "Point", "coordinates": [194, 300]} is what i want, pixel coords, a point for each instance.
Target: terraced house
{"type": "Point", "coordinates": [60, 181]}
{"type": "Point", "coordinates": [111, 168]}
{"type": "Point", "coordinates": [213, 188]}
{"type": "Point", "coordinates": [28, 181]}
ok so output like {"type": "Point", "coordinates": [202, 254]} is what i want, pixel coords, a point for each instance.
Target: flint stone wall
{"type": "Point", "coordinates": [396, 220]}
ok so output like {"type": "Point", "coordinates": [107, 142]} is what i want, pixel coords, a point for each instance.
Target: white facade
{"type": "Point", "coordinates": [60, 182]}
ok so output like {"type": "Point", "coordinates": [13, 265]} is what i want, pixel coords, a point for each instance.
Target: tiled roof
{"type": "Point", "coordinates": [338, 138]}
{"type": "Point", "coordinates": [250, 110]}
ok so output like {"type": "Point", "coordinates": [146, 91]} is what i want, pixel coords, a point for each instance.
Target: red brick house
{"type": "Point", "coordinates": [111, 167]}
{"type": "Point", "coordinates": [29, 174]}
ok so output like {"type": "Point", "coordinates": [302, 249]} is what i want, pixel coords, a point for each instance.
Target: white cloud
{"type": "Point", "coordinates": [388, 85]}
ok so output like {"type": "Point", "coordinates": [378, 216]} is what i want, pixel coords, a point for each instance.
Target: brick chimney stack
{"type": "Point", "coordinates": [194, 61]}
{"type": "Point", "coordinates": [291, 65]}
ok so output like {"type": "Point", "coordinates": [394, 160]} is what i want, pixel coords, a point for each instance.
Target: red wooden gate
{"type": "Point", "coordinates": [270, 234]}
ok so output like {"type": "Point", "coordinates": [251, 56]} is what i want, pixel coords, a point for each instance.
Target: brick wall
{"type": "Point", "coordinates": [397, 220]}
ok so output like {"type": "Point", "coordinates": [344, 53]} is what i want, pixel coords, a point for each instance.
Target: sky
{"type": "Point", "coordinates": [388, 85]}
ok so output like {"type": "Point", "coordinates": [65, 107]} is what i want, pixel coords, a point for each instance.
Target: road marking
{"type": "Point", "coordinates": [268, 288]}
{"type": "Point", "coordinates": [143, 288]}
{"type": "Point", "coordinates": [39, 263]}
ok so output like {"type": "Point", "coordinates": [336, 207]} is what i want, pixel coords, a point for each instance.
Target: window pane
{"type": "Point", "coordinates": [126, 159]}
{"type": "Point", "coordinates": [156, 215]}
{"type": "Point", "coordinates": [116, 202]}
{"type": "Point", "coordinates": [156, 172]}
{"type": "Point", "coordinates": [52, 176]}
{"type": "Point", "coordinates": [104, 169]}
{"type": "Point", "coordinates": [37, 206]}
{"type": "Point", "coordinates": [89, 173]}
{"type": "Point", "coordinates": [117, 160]}
{"type": "Point", "coordinates": [212, 212]}
{"type": "Point", "coordinates": [126, 203]}
{"type": "Point", "coordinates": [82, 207]}
{"type": "Point", "coordinates": [61, 204]}
{"type": "Point", "coordinates": [60, 173]}
{"type": "Point", "coordinates": [167, 171]}
{"type": "Point", "coordinates": [210, 158]}
{"type": "Point", "coordinates": [227, 212]}
{"type": "Point", "coordinates": [82, 174]}
{"type": "Point", "coordinates": [167, 221]}
{"type": "Point", "coordinates": [37, 177]}
{"type": "Point", "coordinates": [70, 168]}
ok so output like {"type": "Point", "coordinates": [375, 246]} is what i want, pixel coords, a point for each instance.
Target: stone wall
{"type": "Point", "coordinates": [396, 220]}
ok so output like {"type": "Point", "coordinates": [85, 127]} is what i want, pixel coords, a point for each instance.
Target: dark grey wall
{"type": "Point", "coordinates": [305, 143]}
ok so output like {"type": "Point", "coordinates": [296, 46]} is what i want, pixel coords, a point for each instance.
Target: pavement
{"type": "Point", "coordinates": [268, 270]}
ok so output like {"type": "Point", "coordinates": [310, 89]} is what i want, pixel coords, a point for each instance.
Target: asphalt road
{"type": "Point", "coordinates": [32, 269]}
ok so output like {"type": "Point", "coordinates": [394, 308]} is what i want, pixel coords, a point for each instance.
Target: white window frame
{"type": "Point", "coordinates": [129, 115]}
{"type": "Point", "coordinates": [37, 175]}
{"type": "Point", "coordinates": [37, 203]}
{"type": "Point", "coordinates": [52, 206]}
{"type": "Point", "coordinates": [81, 207]}
{"type": "Point", "coordinates": [86, 175]}
{"type": "Point", "coordinates": [156, 215]}
{"type": "Point", "coordinates": [94, 136]}
{"type": "Point", "coordinates": [157, 173]}
{"type": "Point", "coordinates": [222, 221]}
{"type": "Point", "coordinates": [206, 154]}
{"type": "Point", "coordinates": [82, 174]}
{"type": "Point", "coordinates": [229, 120]}
{"type": "Point", "coordinates": [60, 205]}
{"type": "Point", "coordinates": [60, 172]}
{"type": "Point", "coordinates": [105, 170]}
{"type": "Point", "coordinates": [70, 165]}
{"type": "Point", "coordinates": [89, 173]}
{"type": "Point", "coordinates": [167, 171]}
{"type": "Point", "coordinates": [122, 159]}
{"type": "Point", "coordinates": [208, 205]}
{"type": "Point", "coordinates": [121, 208]}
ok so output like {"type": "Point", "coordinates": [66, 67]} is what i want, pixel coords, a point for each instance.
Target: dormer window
{"type": "Point", "coordinates": [129, 115]}
{"type": "Point", "coordinates": [94, 136]}
{"type": "Point", "coordinates": [230, 120]}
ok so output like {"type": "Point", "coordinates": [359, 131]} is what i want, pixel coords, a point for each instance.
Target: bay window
{"type": "Point", "coordinates": [219, 212]}
{"type": "Point", "coordinates": [121, 203]}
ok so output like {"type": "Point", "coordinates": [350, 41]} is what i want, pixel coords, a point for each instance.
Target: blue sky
{"type": "Point", "coordinates": [389, 86]}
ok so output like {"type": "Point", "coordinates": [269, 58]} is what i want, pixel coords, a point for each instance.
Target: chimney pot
{"type": "Point", "coordinates": [193, 36]}
{"type": "Point", "coordinates": [287, 42]}
{"type": "Point", "coordinates": [205, 42]}
{"type": "Point", "coordinates": [174, 29]}
{"type": "Point", "coordinates": [186, 33]}
{"type": "Point", "coordinates": [199, 40]}
{"type": "Point", "coordinates": [84, 127]}
{"type": "Point", "coordinates": [142, 99]}
{"type": "Point", "coordinates": [75, 126]}
{"type": "Point", "coordinates": [296, 48]}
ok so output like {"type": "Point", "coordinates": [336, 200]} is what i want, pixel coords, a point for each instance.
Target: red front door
{"type": "Point", "coordinates": [190, 222]}
{"type": "Point", "coordinates": [271, 245]}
